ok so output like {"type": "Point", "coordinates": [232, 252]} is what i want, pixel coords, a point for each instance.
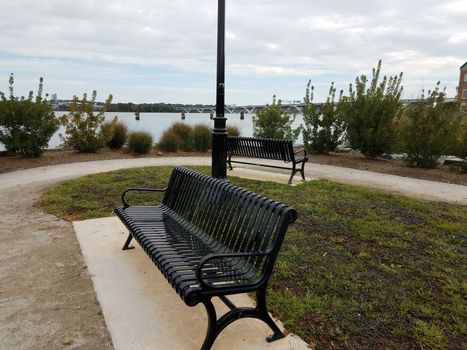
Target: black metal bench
{"type": "Point", "coordinates": [211, 239]}
{"type": "Point", "coordinates": [276, 149]}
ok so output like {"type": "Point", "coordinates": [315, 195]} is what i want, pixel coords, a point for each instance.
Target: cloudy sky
{"type": "Point", "coordinates": [165, 50]}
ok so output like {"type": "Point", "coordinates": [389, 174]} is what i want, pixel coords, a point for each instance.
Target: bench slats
{"type": "Point", "coordinates": [199, 216]}
{"type": "Point", "coordinates": [260, 148]}
{"type": "Point", "coordinates": [265, 148]}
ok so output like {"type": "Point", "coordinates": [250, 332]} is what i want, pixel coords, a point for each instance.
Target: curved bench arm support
{"type": "Point", "coordinates": [140, 190]}
{"type": "Point", "coordinates": [207, 258]}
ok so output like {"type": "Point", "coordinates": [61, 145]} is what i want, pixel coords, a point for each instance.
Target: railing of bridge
{"type": "Point", "coordinates": [253, 109]}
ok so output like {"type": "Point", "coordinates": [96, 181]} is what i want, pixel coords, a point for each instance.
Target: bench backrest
{"type": "Point", "coordinates": [278, 149]}
{"type": "Point", "coordinates": [230, 220]}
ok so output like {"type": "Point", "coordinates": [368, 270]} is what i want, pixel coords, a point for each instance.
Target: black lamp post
{"type": "Point", "coordinates": [219, 133]}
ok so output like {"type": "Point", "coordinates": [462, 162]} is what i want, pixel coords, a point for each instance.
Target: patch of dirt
{"type": "Point", "coordinates": [72, 217]}
{"type": "Point", "coordinates": [389, 166]}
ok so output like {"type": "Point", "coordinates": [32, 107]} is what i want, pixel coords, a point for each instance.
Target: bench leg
{"type": "Point", "coordinates": [229, 161]}
{"type": "Point", "coordinates": [294, 170]}
{"type": "Point", "coordinates": [213, 327]}
{"type": "Point", "coordinates": [262, 308]}
{"type": "Point", "coordinates": [127, 246]}
{"type": "Point", "coordinates": [216, 326]}
{"type": "Point", "coordinates": [302, 171]}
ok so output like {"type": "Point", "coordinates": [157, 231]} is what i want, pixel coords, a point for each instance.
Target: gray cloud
{"type": "Point", "coordinates": [266, 39]}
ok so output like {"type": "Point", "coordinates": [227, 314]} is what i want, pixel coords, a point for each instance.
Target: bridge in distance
{"type": "Point", "coordinates": [253, 109]}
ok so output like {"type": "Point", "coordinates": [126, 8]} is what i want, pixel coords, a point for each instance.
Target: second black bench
{"type": "Point", "coordinates": [276, 149]}
{"type": "Point", "coordinates": [211, 239]}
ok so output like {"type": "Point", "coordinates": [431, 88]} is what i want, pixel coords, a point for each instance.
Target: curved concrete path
{"type": "Point", "coordinates": [418, 188]}
{"type": "Point", "coordinates": [45, 290]}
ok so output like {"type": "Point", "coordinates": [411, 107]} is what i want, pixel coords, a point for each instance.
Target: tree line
{"type": "Point", "coordinates": [129, 107]}
{"type": "Point", "coordinates": [143, 107]}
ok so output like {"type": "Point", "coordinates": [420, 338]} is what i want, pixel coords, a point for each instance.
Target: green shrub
{"type": "Point", "coordinates": [202, 138]}
{"type": "Point", "coordinates": [185, 135]}
{"type": "Point", "coordinates": [178, 137]}
{"type": "Point", "coordinates": [168, 142]}
{"type": "Point", "coordinates": [323, 127]}
{"type": "Point", "coordinates": [115, 133]}
{"type": "Point", "coordinates": [233, 130]}
{"type": "Point", "coordinates": [428, 129]}
{"type": "Point", "coordinates": [26, 124]}
{"type": "Point", "coordinates": [274, 122]}
{"type": "Point", "coordinates": [120, 135]}
{"type": "Point", "coordinates": [369, 113]}
{"type": "Point", "coordinates": [83, 125]}
{"type": "Point", "coordinates": [108, 130]}
{"type": "Point", "coordinates": [139, 142]}
{"type": "Point", "coordinates": [460, 144]}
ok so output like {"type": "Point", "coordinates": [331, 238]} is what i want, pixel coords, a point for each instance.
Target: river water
{"type": "Point", "coordinates": [157, 123]}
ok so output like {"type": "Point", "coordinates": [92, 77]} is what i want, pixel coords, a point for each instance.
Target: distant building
{"type": "Point", "coordinates": [54, 98]}
{"type": "Point", "coordinates": [462, 92]}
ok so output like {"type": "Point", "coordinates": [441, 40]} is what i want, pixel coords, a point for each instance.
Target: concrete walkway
{"type": "Point", "coordinates": [46, 296]}
{"type": "Point", "coordinates": [418, 188]}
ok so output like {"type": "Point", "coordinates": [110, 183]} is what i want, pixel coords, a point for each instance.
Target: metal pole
{"type": "Point", "coordinates": [219, 133]}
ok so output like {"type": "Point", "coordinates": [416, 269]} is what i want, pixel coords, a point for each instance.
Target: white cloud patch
{"type": "Point", "coordinates": [458, 38]}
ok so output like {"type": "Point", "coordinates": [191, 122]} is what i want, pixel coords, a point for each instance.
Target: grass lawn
{"type": "Point", "coordinates": [360, 269]}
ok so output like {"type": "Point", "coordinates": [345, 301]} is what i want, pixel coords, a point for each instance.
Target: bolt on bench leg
{"type": "Point", "coordinates": [127, 246]}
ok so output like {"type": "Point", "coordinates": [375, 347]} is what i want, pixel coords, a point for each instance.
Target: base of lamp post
{"type": "Point", "coordinates": [219, 149]}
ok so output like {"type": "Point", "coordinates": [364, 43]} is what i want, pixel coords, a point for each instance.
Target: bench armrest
{"type": "Point", "coordinates": [301, 150]}
{"type": "Point", "coordinates": [209, 257]}
{"type": "Point", "coordinates": [140, 190]}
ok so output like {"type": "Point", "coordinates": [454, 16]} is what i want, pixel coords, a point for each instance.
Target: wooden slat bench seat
{"type": "Point", "coordinates": [211, 239]}
{"type": "Point", "coordinates": [265, 148]}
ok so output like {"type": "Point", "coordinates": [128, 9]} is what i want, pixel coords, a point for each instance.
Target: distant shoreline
{"type": "Point", "coordinates": [129, 107]}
